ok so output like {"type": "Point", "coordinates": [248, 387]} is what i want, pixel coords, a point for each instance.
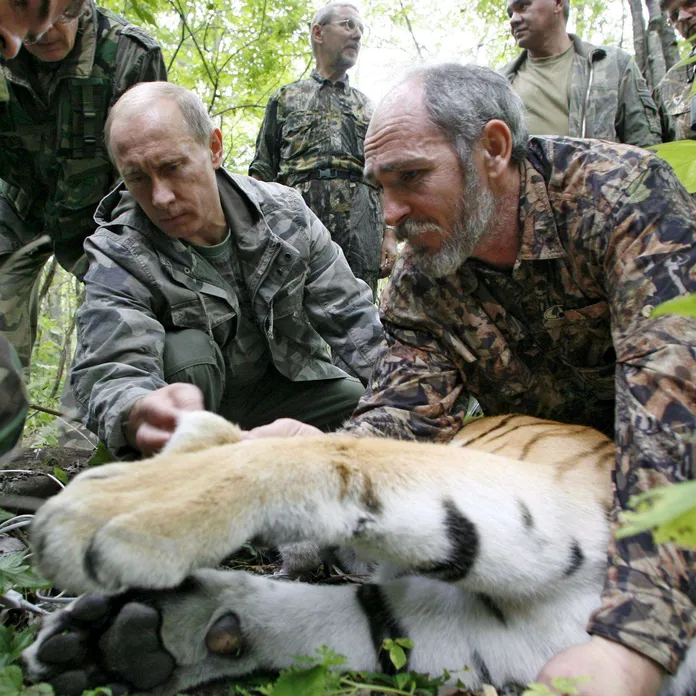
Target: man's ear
{"type": "Point", "coordinates": [496, 145]}
{"type": "Point", "coordinates": [216, 148]}
{"type": "Point", "coordinates": [317, 33]}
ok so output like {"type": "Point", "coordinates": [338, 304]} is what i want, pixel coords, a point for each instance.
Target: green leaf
{"type": "Point", "coordinates": [405, 643]}
{"type": "Point", "coordinates": [684, 306]}
{"type": "Point", "coordinates": [101, 456]}
{"type": "Point", "coordinates": [669, 511]}
{"type": "Point", "coordinates": [5, 515]}
{"type": "Point", "coordinates": [536, 689]}
{"type": "Point", "coordinates": [397, 656]}
{"type": "Point", "coordinates": [42, 689]}
{"type": "Point", "coordinates": [10, 680]}
{"type": "Point", "coordinates": [14, 573]}
{"type": "Point", "coordinates": [681, 155]}
{"type": "Point", "coordinates": [61, 475]}
{"type": "Point", "coordinates": [309, 682]}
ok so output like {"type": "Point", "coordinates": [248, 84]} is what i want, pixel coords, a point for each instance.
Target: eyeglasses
{"type": "Point", "coordinates": [352, 24]}
{"type": "Point", "coordinates": [71, 12]}
{"type": "Point", "coordinates": [686, 5]}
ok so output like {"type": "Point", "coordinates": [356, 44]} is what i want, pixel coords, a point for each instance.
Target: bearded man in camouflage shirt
{"type": "Point", "coordinates": [673, 94]}
{"type": "Point", "coordinates": [207, 289]}
{"type": "Point", "coordinates": [54, 99]}
{"type": "Point", "coordinates": [530, 272]}
{"type": "Point", "coordinates": [312, 137]}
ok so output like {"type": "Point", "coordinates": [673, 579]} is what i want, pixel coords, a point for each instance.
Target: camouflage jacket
{"type": "Point", "coordinates": [52, 156]}
{"type": "Point", "coordinates": [609, 99]}
{"type": "Point", "coordinates": [673, 99]}
{"type": "Point", "coordinates": [142, 283]}
{"type": "Point", "coordinates": [13, 397]}
{"type": "Point", "coordinates": [607, 233]}
{"type": "Point", "coordinates": [309, 125]}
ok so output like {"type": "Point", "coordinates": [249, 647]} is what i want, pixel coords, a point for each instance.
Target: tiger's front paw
{"type": "Point", "coordinates": [156, 642]}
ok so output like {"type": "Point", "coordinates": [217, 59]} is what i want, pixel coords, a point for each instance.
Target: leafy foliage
{"type": "Point", "coordinates": [684, 306]}
{"type": "Point", "coordinates": [566, 687]}
{"type": "Point", "coordinates": [14, 572]}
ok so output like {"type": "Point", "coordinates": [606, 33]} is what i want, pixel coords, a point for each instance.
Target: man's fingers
{"type": "Point", "coordinates": [150, 440]}
{"type": "Point", "coordinates": [283, 427]}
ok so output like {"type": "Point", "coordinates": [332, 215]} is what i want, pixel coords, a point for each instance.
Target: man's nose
{"type": "Point", "coordinates": [395, 209]}
{"type": "Point", "coordinates": [10, 41]}
{"type": "Point", "coordinates": [162, 194]}
{"type": "Point", "coordinates": [515, 19]}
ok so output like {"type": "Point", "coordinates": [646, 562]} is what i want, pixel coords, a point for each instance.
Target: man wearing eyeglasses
{"type": "Point", "coordinates": [32, 18]}
{"type": "Point", "coordinates": [54, 98]}
{"type": "Point", "coordinates": [673, 94]}
{"type": "Point", "coordinates": [312, 139]}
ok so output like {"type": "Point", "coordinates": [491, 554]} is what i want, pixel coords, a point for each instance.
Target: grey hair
{"type": "Point", "coordinates": [461, 99]}
{"type": "Point", "coordinates": [324, 16]}
{"type": "Point", "coordinates": [196, 118]}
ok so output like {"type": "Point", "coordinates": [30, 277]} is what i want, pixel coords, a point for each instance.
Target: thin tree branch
{"type": "Point", "coordinates": [410, 29]}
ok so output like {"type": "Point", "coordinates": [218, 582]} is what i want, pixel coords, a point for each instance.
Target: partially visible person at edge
{"type": "Point", "coordinates": [30, 19]}
{"type": "Point", "coordinates": [529, 274]}
{"type": "Point", "coordinates": [210, 289]}
{"type": "Point", "coordinates": [13, 397]}
{"type": "Point", "coordinates": [673, 93]}
{"type": "Point", "coordinates": [54, 99]}
{"type": "Point", "coordinates": [570, 87]}
{"type": "Point", "coordinates": [312, 138]}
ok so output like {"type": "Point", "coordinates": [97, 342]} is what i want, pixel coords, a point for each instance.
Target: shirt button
{"type": "Point", "coordinates": [187, 271]}
{"type": "Point", "coordinates": [647, 311]}
{"type": "Point", "coordinates": [287, 255]}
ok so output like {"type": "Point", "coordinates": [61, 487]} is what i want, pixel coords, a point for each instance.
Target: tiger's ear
{"type": "Point", "coordinates": [200, 430]}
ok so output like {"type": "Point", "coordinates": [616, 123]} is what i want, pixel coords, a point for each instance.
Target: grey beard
{"type": "Point", "coordinates": [472, 220]}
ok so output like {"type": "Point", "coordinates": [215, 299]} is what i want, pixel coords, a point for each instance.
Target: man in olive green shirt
{"type": "Point", "coordinates": [570, 87]}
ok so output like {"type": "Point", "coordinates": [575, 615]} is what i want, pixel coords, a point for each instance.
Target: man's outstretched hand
{"type": "Point", "coordinates": [613, 669]}
{"type": "Point", "coordinates": [153, 418]}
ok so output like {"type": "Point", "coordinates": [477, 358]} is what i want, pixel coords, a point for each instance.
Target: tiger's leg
{"type": "Point", "coordinates": [491, 524]}
{"type": "Point", "coordinates": [225, 624]}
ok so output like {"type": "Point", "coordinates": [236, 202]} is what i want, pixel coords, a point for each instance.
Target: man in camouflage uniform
{"type": "Point", "coordinates": [673, 94]}
{"type": "Point", "coordinates": [13, 397]}
{"type": "Point", "coordinates": [54, 98]}
{"type": "Point", "coordinates": [30, 19]}
{"type": "Point", "coordinates": [207, 289]}
{"type": "Point", "coordinates": [528, 282]}
{"type": "Point", "coordinates": [312, 137]}
{"type": "Point", "coordinates": [570, 87]}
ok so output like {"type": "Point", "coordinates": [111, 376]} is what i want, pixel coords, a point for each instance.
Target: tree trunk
{"type": "Point", "coordinates": [639, 40]}
{"type": "Point", "coordinates": [669, 44]}
{"type": "Point", "coordinates": [656, 57]}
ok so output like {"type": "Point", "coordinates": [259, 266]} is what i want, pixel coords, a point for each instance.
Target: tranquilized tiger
{"type": "Point", "coordinates": [490, 564]}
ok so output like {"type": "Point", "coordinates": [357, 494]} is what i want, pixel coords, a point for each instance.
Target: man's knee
{"type": "Point", "coordinates": [192, 356]}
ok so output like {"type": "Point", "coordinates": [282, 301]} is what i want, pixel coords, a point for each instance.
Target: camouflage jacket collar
{"type": "Point", "coordinates": [78, 63]}
{"type": "Point", "coordinates": [318, 77]}
{"type": "Point", "coordinates": [582, 48]}
{"type": "Point", "coordinates": [119, 208]}
{"type": "Point", "coordinates": [539, 234]}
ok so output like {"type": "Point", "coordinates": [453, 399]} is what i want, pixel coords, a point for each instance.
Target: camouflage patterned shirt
{"type": "Point", "coordinates": [673, 99]}
{"type": "Point", "coordinates": [53, 162]}
{"type": "Point", "coordinates": [313, 125]}
{"type": "Point", "coordinates": [142, 283]}
{"type": "Point", "coordinates": [607, 233]}
{"type": "Point", "coordinates": [609, 99]}
{"type": "Point", "coordinates": [309, 125]}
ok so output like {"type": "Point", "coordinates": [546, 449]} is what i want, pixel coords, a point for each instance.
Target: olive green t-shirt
{"type": "Point", "coordinates": [544, 86]}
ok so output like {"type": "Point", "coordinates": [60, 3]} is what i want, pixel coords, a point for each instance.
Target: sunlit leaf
{"type": "Point", "coordinates": [682, 158]}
